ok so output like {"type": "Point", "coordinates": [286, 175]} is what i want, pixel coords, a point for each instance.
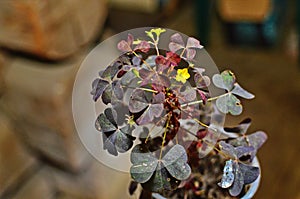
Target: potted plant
{"type": "Point", "coordinates": [168, 111]}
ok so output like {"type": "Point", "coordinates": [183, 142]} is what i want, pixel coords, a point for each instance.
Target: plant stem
{"type": "Point", "coordinates": [141, 88]}
{"type": "Point", "coordinates": [164, 137]}
{"type": "Point", "coordinates": [146, 63]}
{"type": "Point", "coordinates": [201, 101]}
{"type": "Point", "coordinates": [198, 121]}
{"type": "Point", "coordinates": [156, 47]}
{"type": "Point", "coordinates": [201, 123]}
{"type": "Point", "coordinates": [147, 138]}
{"type": "Point", "coordinates": [208, 143]}
{"type": "Point", "coordinates": [181, 54]}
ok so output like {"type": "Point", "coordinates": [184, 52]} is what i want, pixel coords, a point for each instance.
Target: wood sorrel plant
{"type": "Point", "coordinates": [160, 109]}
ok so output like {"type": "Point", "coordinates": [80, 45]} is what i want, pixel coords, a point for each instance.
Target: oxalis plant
{"type": "Point", "coordinates": [159, 108]}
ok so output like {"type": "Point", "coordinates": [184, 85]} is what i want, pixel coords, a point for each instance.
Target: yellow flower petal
{"type": "Point", "coordinates": [182, 75]}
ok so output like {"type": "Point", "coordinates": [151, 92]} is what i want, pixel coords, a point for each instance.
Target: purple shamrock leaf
{"type": "Point", "coordinates": [177, 43]}
{"type": "Point", "coordinates": [154, 78]}
{"type": "Point", "coordinates": [201, 80]}
{"type": "Point", "coordinates": [125, 46]}
{"type": "Point", "coordinates": [98, 87]}
{"type": "Point", "coordinates": [115, 139]}
{"type": "Point", "coordinates": [236, 175]}
{"type": "Point", "coordinates": [151, 104]}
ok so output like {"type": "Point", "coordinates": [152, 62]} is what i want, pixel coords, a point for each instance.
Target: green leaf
{"type": "Point", "coordinates": [136, 42]}
{"type": "Point", "coordinates": [229, 104]}
{"type": "Point", "coordinates": [136, 72]}
{"type": "Point", "coordinates": [157, 31]}
{"type": "Point", "coordinates": [175, 162]}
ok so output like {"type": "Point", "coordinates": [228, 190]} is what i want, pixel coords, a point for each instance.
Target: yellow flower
{"type": "Point", "coordinates": [182, 75]}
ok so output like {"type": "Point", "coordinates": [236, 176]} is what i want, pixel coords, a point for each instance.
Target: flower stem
{"type": "Point", "coordinates": [141, 88]}
{"type": "Point", "coordinates": [148, 136]}
{"type": "Point", "coordinates": [164, 137]}
{"type": "Point", "coordinates": [146, 63]}
{"type": "Point", "coordinates": [209, 144]}
{"type": "Point", "coordinates": [201, 101]}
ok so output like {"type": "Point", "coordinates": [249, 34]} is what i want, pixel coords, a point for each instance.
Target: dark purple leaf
{"type": "Point", "coordinates": [104, 124]}
{"type": "Point", "coordinates": [98, 87]}
{"type": "Point", "coordinates": [132, 187]}
{"type": "Point", "coordinates": [122, 112]}
{"type": "Point", "coordinates": [127, 78]}
{"type": "Point", "coordinates": [250, 173]}
{"type": "Point", "coordinates": [112, 92]}
{"type": "Point", "coordinates": [238, 183]}
{"type": "Point", "coordinates": [115, 139]}
{"type": "Point", "coordinates": [124, 140]}
{"type": "Point", "coordinates": [241, 128]}
{"type": "Point", "coordinates": [108, 143]}
{"type": "Point", "coordinates": [228, 149]}
{"type": "Point", "coordinates": [110, 72]}
{"type": "Point", "coordinates": [136, 61]}
{"type": "Point", "coordinates": [150, 103]}
{"type": "Point", "coordinates": [201, 80]}
{"type": "Point", "coordinates": [139, 101]}
{"type": "Point", "coordinates": [107, 95]}
{"type": "Point", "coordinates": [155, 109]}
{"type": "Point", "coordinates": [255, 140]}
{"type": "Point", "coordinates": [244, 151]}
{"type": "Point", "coordinates": [152, 111]}
{"type": "Point", "coordinates": [153, 77]}
{"type": "Point", "coordinates": [159, 175]}
{"type": "Point", "coordinates": [117, 89]}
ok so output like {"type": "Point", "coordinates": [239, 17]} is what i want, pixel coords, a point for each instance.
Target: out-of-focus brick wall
{"type": "Point", "coordinates": [41, 155]}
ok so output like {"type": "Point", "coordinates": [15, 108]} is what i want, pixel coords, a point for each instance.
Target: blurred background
{"type": "Point", "coordinates": [42, 44]}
